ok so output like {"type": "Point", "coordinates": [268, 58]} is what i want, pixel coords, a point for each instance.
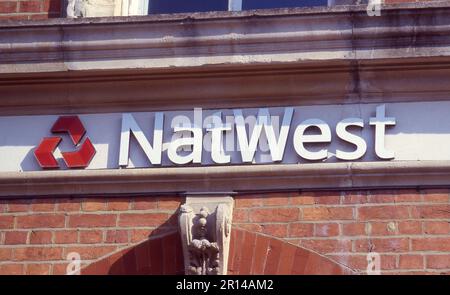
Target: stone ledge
{"type": "Point", "coordinates": [335, 176]}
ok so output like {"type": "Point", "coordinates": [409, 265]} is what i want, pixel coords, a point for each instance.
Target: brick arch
{"type": "Point", "coordinates": [253, 253]}
{"type": "Point", "coordinates": [250, 253]}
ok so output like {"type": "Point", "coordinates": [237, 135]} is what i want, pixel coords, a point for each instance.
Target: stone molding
{"type": "Point", "coordinates": [331, 176]}
{"type": "Point", "coordinates": [205, 228]}
{"type": "Point", "coordinates": [311, 56]}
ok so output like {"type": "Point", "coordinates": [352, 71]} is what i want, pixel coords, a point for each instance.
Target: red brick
{"type": "Point", "coordinates": [327, 213]}
{"type": "Point", "coordinates": [358, 262]}
{"type": "Point", "coordinates": [143, 203]}
{"type": "Point", "coordinates": [274, 214]}
{"type": "Point", "coordinates": [410, 227]}
{"type": "Point", "coordinates": [260, 256]}
{"type": "Point", "coordinates": [116, 236]}
{"type": "Point", "coordinates": [66, 237]}
{"type": "Point", "coordinates": [138, 235]}
{"type": "Point", "coordinates": [286, 259]}
{"type": "Point", "coordinates": [41, 237]}
{"type": "Point", "coordinates": [91, 204]}
{"type": "Point", "coordinates": [408, 196]}
{"type": "Point", "coordinates": [169, 203]}
{"type": "Point", "coordinates": [91, 236]}
{"type": "Point", "coordinates": [3, 206]}
{"type": "Point", "coordinates": [247, 201]}
{"type": "Point", "coordinates": [436, 195]}
{"type": "Point", "coordinates": [43, 205]}
{"type": "Point", "coordinates": [273, 257]}
{"type": "Point", "coordinates": [92, 220]}
{"type": "Point", "coordinates": [301, 230]}
{"type": "Point", "coordinates": [354, 197]}
{"type": "Point", "coordinates": [383, 228]}
{"type": "Point", "coordinates": [383, 212]}
{"type": "Point", "coordinates": [382, 196]}
{"type": "Point", "coordinates": [38, 269]}
{"type": "Point", "coordinates": [275, 199]}
{"type": "Point", "coordinates": [240, 215]}
{"type": "Point", "coordinates": [30, 6]}
{"type": "Point", "coordinates": [16, 237]}
{"type": "Point", "coordinates": [5, 254]}
{"type": "Point", "coordinates": [431, 244]}
{"type": "Point", "coordinates": [68, 205]}
{"type": "Point", "coordinates": [411, 262]}
{"type": "Point", "coordinates": [51, 6]}
{"type": "Point", "coordinates": [302, 200]}
{"type": "Point", "coordinates": [11, 269]}
{"type": "Point", "coordinates": [119, 204]}
{"type": "Point", "coordinates": [19, 206]}
{"type": "Point", "coordinates": [437, 227]}
{"type": "Point", "coordinates": [14, 17]}
{"type": "Point", "coordinates": [388, 262]}
{"type": "Point", "coordinates": [40, 221]}
{"type": "Point", "coordinates": [276, 230]}
{"type": "Point", "coordinates": [143, 219]}
{"type": "Point", "coordinates": [251, 227]}
{"type": "Point", "coordinates": [60, 268]}
{"type": "Point", "coordinates": [90, 252]}
{"type": "Point", "coordinates": [324, 198]}
{"type": "Point", "coordinates": [354, 229]}
{"type": "Point", "coordinates": [6, 222]}
{"type": "Point", "coordinates": [438, 261]}
{"type": "Point", "coordinates": [247, 252]}
{"type": "Point", "coordinates": [431, 211]}
{"type": "Point", "coordinates": [8, 7]}
{"type": "Point", "coordinates": [327, 245]}
{"type": "Point", "coordinates": [326, 229]}
{"type": "Point", "coordinates": [37, 254]}
{"type": "Point", "coordinates": [382, 245]}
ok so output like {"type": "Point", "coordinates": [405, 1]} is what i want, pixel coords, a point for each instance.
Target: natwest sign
{"type": "Point", "coordinates": [287, 135]}
{"type": "Point", "coordinates": [249, 131]}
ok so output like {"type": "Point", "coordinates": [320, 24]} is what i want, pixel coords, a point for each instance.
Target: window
{"type": "Point", "coordinates": [177, 6]}
{"type": "Point", "coordinates": [257, 4]}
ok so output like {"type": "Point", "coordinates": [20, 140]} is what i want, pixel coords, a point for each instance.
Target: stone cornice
{"type": "Point", "coordinates": [341, 176]}
{"type": "Point", "coordinates": [332, 55]}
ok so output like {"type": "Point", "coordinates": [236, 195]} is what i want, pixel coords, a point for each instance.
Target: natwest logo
{"type": "Point", "coordinates": [74, 159]}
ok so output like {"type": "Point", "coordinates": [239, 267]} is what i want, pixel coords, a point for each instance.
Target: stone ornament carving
{"type": "Point", "coordinates": [205, 226]}
{"type": "Point", "coordinates": [97, 8]}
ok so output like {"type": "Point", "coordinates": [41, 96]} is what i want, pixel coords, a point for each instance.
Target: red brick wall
{"type": "Point", "coordinates": [37, 234]}
{"type": "Point", "coordinates": [29, 9]}
{"type": "Point", "coordinates": [410, 229]}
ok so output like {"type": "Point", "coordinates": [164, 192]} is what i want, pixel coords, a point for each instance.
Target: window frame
{"type": "Point", "coordinates": [233, 5]}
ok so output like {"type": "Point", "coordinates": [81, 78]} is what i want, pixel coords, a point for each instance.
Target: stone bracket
{"type": "Point", "coordinates": [205, 227]}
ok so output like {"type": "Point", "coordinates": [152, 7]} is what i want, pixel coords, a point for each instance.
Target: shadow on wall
{"type": "Point", "coordinates": [250, 253]}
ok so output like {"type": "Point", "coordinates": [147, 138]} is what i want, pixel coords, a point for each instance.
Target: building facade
{"type": "Point", "coordinates": [291, 140]}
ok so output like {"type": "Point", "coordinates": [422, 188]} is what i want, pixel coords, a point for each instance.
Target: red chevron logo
{"type": "Point", "coordinates": [75, 159]}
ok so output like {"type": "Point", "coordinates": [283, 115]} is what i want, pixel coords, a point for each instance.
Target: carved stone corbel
{"type": "Point", "coordinates": [205, 227]}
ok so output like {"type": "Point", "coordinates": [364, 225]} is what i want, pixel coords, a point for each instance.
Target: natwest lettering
{"type": "Point", "coordinates": [310, 138]}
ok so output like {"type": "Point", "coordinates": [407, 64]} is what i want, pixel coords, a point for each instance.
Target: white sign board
{"type": "Point", "coordinates": [304, 134]}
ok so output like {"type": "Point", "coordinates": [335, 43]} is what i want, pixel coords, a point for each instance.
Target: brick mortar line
{"type": "Point", "coordinates": [93, 228]}
{"type": "Point", "coordinates": [424, 203]}
{"type": "Point", "coordinates": [347, 221]}
{"type": "Point", "coordinates": [364, 237]}
{"type": "Point", "coordinates": [424, 253]}
{"type": "Point", "coordinates": [103, 212]}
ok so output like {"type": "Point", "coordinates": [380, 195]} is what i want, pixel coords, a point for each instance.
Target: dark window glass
{"type": "Point", "coordinates": [256, 4]}
{"type": "Point", "coordinates": [175, 6]}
